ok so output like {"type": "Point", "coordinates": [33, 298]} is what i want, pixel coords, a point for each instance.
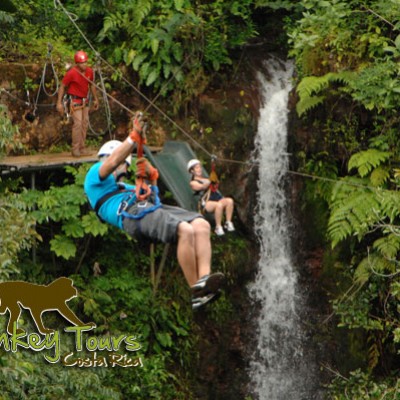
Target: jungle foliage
{"type": "Point", "coordinates": [347, 55]}
{"type": "Point", "coordinates": [172, 47]}
{"type": "Point", "coordinates": [347, 59]}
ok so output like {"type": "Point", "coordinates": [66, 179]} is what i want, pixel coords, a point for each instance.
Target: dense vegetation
{"type": "Point", "coordinates": [168, 47]}
{"type": "Point", "coordinates": [346, 54]}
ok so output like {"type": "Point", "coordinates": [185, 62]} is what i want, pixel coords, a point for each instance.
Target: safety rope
{"type": "Point", "coordinates": [22, 101]}
{"type": "Point", "coordinates": [49, 58]}
{"type": "Point", "coordinates": [42, 84]}
{"type": "Point", "coordinates": [105, 103]}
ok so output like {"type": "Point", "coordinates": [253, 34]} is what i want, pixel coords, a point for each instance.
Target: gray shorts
{"type": "Point", "coordinates": [160, 225]}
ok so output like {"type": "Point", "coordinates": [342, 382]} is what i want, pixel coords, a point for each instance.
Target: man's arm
{"type": "Point", "coordinates": [197, 186]}
{"type": "Point", "coordinates": [93, 89]}
{"type": "Point", "coordinates": [61, 93]}
{"type": "Point", "coordinates": [117, 157]}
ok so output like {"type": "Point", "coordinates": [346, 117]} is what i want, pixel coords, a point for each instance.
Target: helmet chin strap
{"type": "Point", "coordinates": [120, 175]}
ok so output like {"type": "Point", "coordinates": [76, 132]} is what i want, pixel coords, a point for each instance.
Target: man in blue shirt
{"type": "Point", "coordinates": [117, 203]}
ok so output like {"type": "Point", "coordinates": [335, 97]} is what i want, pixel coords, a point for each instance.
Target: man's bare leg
{"type": "Point", "coordinates": [186, 252]}
{"type": "Point", "coordinates": [202, 246]}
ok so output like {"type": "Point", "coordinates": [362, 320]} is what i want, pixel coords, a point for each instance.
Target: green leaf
{"type": "Point", "coordinates": [92, 225]}
{"type": "Point", "coordinates": [397, 42]}
{"type": "Point", "coordinates": [63, 247]}
{"type": "Point", "coordinates": [154, 45]}
{"type": "Point", "coordinates": [152, 77]}
{"type": "Point", "coordinates": [73, 228]}
{"type": "Point", "coordinates": [179, 4]}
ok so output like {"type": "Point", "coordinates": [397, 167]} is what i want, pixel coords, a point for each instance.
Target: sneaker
{"type": "Point", "coordinates": [219, 231]}
{"type": "Point", "coordinates": [198, 302]}
{"type": "Point", "coordinates": [208, 284]}
{"type": "Point", "coordinates": [229, 226]}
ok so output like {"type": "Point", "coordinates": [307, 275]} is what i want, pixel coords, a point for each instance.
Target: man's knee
{"type": "Point", "coordinates": [200, 224]}
{"type": "Point", "coordinates": [185, 231]}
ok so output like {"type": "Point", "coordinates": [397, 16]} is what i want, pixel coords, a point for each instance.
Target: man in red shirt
{"type": "Point", "coordinates": [77, 82]}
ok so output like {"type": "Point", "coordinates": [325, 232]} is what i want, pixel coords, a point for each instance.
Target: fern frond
{"type": "Point", "coordinates": [388, 246]}
{"type": "Point", "coordinates": [308, 103]}
{"type": "Point", "coordinates": [372, 264]}
{"type": "Point", "coordinates": [143, 9]}
{"type": "Point", "coordinates": [390, 204]}
{"type": "Point", "coordinates": [310, 86]}
{"type": "Point", "coordinates": [379, 176]}
{"type": "Point", "coordinates": [373, 353]}
{"type": "Point", "coordinates": [353, 214]}
{"type": "Point", "coordinates": [366, 160]}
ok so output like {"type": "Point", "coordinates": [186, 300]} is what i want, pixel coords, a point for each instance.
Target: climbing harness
{"type": "Point", "coordinates": [137, 210]}
{"type": "Point", "coordinates": [213, 176]}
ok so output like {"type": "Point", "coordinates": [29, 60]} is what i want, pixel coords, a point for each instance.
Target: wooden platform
{"type": "Point", "coordinates": [43, 161]}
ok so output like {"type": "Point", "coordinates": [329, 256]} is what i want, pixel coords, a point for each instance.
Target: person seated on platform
{"type": "Point", "coordinates": [77, 82]}
{"type": "Point", "coordinates": [137, 210]}
{"type": "Point", "coordinates": [211, 200]}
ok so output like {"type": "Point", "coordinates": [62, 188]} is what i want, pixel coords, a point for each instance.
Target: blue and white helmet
{"type": "Point", "coordinates": [109, 147]}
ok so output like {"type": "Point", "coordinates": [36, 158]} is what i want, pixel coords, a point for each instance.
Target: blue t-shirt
{"type": "Point", "coordinates": [96, 188]}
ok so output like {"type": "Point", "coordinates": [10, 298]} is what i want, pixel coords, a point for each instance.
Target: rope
{"type": "Point", "coordinates": [105, 102]}
{"type": "Point", "coordinates": [42, 84]}
{"type": "Point", "coordinates": [49, 57]}
{"type": "Point", "coordinates": [151, 103]}
{"type": "Point", "coordinates": [22, 101]}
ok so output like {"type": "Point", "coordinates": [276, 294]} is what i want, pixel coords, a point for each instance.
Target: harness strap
{"type": "Point", "coordinates": [145, 210]}
{"type": "Point", "coordinates": [142, 206]}
{"type": "Point", "coordinates": [142, 212]}
{"type": "Point", "coordinates": [107, 196]}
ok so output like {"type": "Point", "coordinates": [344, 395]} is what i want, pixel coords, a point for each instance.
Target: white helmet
{"type": "Point", "coordinates": [192, 163]}
{"type": "Point", "coordinates": [109, 147]}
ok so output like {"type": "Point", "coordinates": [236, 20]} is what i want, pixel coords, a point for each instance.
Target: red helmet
{"type": "Point", "coordinates": [80, 57]}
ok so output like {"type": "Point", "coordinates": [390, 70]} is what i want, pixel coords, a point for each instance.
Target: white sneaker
{"type": "Point", "coordinates": [219, 231]}
{"type": "Point", "coordinates": [229, 226]}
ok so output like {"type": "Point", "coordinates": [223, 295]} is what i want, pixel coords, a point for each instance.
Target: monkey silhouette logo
{"type": "Point", "coordinates": [38, 299]}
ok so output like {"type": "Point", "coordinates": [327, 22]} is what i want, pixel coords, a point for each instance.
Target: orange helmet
{"type": "Point", "coordinates": [80, 57]}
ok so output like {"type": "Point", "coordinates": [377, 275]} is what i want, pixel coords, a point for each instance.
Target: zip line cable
{"type": "Point", "coordinates": [152, 104]}
{"type": "Point", "coordinates": [252, 163]}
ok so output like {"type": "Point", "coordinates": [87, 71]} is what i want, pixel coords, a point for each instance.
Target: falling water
{"type": "Point", "coordinates": [279, 369]}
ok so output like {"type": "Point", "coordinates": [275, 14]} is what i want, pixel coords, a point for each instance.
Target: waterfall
{"type": "Point", "coordinates": [279, 369]}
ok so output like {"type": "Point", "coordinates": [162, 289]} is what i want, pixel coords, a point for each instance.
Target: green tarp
{"type": "Point", "coordinates": [171, 163]}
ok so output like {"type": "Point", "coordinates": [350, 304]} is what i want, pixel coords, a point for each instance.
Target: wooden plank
{"type": "Point", "coordinates": [48, 161]}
